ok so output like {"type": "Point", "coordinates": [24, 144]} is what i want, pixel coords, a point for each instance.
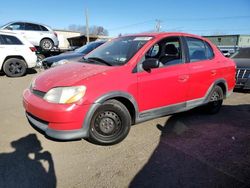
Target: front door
{"type": "Point", "coordinates": [166, 85]}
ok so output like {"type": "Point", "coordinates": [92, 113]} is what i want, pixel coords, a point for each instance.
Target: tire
{"type": "Point", "coordinates": [14, 67]}
{"type": "Point", "coordinates": [215, 100]}
{"type": "Point", "coordinates": [46, 44]}
{"type": "Point", "coordinates": [110, 123]}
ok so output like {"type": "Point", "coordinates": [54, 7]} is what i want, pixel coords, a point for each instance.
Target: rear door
{"type": "Point", "coordinates": [202, 67]}
{"type": "Point", "coordinates": [10, 45]}
{"type": "Point", "coordinates": [33, 32]}
{"type": "Point", "coordinates": [166, 85]}
{"type": "Point", "coordinates": [2, 51]}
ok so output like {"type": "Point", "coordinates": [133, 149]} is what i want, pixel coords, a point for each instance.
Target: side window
{"type": "Point", "coordinates": [168, 51]}
{"type": "Point", "coordinates": [16, 26]}
{"type": "Point", "coordinates": [198, 50]}
{"type": "Point", "coordinates": [10, 40]}
{"type": "Point", "coordinates": [209, 51]}
{"type": "Point", "coordinates": [43, 28]}
{"type": "Point", "coordinates": [32, 27]}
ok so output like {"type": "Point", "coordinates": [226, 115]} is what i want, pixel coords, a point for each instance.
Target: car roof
{"type": "Point", "coordinates": [165, 34]}
{"type": "Point", "coordinates": [27, 22]}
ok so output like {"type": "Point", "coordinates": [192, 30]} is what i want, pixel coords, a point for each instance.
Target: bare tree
{"type": "Point", "coordinates": [93, 30]}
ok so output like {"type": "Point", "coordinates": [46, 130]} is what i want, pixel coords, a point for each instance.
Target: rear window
{"type": "Point", "coordinates": [43, 28]}
{"type": "Point", "coordinates": [10, 40]}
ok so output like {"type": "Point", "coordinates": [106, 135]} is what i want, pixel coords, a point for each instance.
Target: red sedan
{"type": "Point", "coordinates": [128, 80]}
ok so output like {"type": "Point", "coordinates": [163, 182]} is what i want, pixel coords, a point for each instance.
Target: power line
{"type": "Point", "coordinates": [131, 25]}
{"type": "Point", "coordinates": [180, 19]}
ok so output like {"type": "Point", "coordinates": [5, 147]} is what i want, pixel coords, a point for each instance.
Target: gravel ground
{"type": "Point", "coordinates": [189, 149]}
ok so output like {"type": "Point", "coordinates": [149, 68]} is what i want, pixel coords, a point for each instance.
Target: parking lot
{"type": "Point", "coordinates": [189, 149]}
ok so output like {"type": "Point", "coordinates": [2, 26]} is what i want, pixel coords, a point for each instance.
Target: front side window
{"type": "Point", "coordinates": [198, 50]}
{"type": "Point", "coordinates": [118, 51]}
{"type": "Point", "coordinates": [16, 26]}
{"type": "Point", "coordinates": [168, 51]}
{"type": "Point", "coordinates": [10, 40]}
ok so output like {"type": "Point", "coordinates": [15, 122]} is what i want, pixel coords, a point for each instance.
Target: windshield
{"type": "Point", "coordinates": [2, 26]}
{"type": "Point", "coordinates": [118, 51]}
{"type": "Point", "coordinates": [88, 47]}
{"type": "Point", "coordinates": [242, 53]}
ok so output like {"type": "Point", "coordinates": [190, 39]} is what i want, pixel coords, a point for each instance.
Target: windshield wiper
{"type": "Point", "coordinates": [99, 60]}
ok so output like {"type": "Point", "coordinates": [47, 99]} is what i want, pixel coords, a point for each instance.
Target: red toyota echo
{"type": "Point", "coordinates": [128, 80]}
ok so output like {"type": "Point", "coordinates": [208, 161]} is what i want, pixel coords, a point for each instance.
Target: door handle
{"type": "Point", "coordinates": [183, 78]}
{"type": "Point", "coordinates": [213, 72]}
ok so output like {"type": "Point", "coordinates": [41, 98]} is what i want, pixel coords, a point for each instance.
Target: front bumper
{"type": "Point", "coordinates": [59, 121]}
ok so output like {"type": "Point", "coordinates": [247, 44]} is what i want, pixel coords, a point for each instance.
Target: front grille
{"type": "Point", "coordinates": [243, 73]}
{"type": "Point", "coordinates": [38, 93]}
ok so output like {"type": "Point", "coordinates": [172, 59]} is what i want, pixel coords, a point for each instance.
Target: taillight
{"type": "Point", "coordinates": [33, 49]}
{"type": "Point", "coordinates": [55, 34]}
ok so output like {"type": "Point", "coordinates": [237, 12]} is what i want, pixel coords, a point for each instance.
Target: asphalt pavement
{"type": "Point", "coordinates": [189, 149]}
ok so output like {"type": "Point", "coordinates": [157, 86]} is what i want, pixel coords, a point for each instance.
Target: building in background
{"type": "Point", "coordinates": [230, 43]}
{"type": "Point", "coordinates": [70, 39]}
{"type": "Point", "coordinates": [63, 36]}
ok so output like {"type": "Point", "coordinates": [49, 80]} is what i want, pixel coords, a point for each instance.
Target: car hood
{"type": "Point", "coordinates": [71, 74]}
{"type": "Point", "coordinates": [242, 63]}
{"type": "Point", "coordinates": [67, 56]}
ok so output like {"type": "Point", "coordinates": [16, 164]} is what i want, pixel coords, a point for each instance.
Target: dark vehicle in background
{"type": "Point", "coordinates": [72, 55]}
{"type": "Point", "coordinates": [242, 60]}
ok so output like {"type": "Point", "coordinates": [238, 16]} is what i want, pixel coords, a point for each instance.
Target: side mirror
{"type": "Point", "coordinates": [149, 64]}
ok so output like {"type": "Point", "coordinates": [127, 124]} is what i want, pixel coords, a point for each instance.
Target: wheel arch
{"type": "Point", "coordinates": [13, 56]}
{"type": "Point", "coordinates": [221, 83]}
{"type": "Point", "coordinates": [125, 98]}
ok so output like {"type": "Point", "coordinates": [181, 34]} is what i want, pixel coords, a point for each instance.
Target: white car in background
{"type": "Point", "coordinates": [39, 35]}
{"type": "Point", "coordinates": [16, 54]}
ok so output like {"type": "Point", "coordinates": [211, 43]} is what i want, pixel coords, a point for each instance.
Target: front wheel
{"type": "Point", "coordinates": [110, 123]}
{"type": "Point", "coordinates": [14, 67]}
{"type": "Point", "coordinates": [215, 100]}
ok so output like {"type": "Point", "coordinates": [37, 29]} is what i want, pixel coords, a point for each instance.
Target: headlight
{"type": "Point", "coordinates": [65, 95]}
{"type": "Point", "coordinates": [61, 62]}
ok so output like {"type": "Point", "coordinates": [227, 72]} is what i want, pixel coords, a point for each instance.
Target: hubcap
{"type": "Point", "coordinates": [107, 124]}
{"type": "Point", "coordinates": [15, 68]}
{"type": "Point", "coordinates": [47, 44]}
{"type": "Point", "coordinates": [215, 98]}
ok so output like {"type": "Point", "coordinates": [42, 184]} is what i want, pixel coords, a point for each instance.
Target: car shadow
{"type": "Point", "coordinates": [199, 150]}
{"type": "Point", "coordinates": [238, 90]}
{"type": "Point", "coordinates": [24, 166]}
{"type": "Point", "coordinates": [31, 71]}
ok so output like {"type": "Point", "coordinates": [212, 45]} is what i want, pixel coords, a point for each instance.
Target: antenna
{"type": "Point", "coordinates": [87, 25]}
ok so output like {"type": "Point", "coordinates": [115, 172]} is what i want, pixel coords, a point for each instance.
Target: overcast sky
{"type": "Point", "coordinates": [133, 16]}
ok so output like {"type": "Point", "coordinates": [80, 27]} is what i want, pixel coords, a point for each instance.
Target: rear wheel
{"type": "Point", "coordinates": [215, 100]}
{"type": "Point", "coordinates": [110, 123]}
{"type": "Point", "coordinates": [14, 67]}
{"type": "Point", "coordinates": [46, 44]}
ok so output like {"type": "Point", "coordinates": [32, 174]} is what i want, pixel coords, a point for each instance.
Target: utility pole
{"type": "Point", "coordinates": [158, 25]}
{"type": "Point", "coordinates": [87, 25]}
